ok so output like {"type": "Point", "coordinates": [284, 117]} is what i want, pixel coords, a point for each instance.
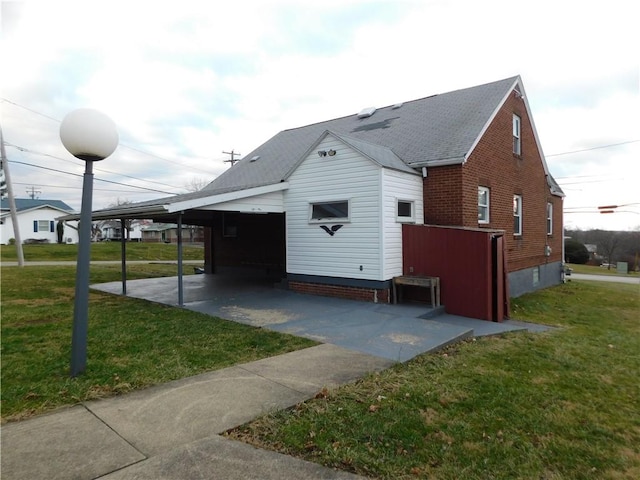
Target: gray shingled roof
{"type": "Point", "coordinates": [436, 130]}
{"type": "Point", "coordinates": [431, 131]}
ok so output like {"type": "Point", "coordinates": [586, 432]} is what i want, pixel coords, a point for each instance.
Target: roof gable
{"type": "Point", "coordinates": [378, 154]}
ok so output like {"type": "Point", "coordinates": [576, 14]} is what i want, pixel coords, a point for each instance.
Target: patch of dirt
{"type": "Point", "coordinates": [404, 338]}
{"type": "Point", "coordinates": [259, 317]}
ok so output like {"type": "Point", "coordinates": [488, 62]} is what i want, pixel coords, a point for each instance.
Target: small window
{"type": "Point", "coordinates": [516, 135]}
{"type": "Point", "coordinates": [549, 218]}
{"type": "Point", "coordinates": [483, 205]}
{"type": "Point", "coordinates": [536, 276]}
{"type": "Point", "coordinates": [43, 226]}
{"type": "Point", "coordinates": [229, 225]}
{"type": "Point", "coordinates": [405, 211]}
{"type": "Point", "coordinates": [323, 211]}
{"type": "Point", "coordinates": [517, 214]}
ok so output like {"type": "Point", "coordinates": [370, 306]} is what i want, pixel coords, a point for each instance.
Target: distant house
{"type": "Point", "coordinates": [168, 233]}
{"type": "Point", "coordinates": [453, 185]}
{"type": "Point", "coordinates": [37, 221]}
{"type": "Point", "coordinates": [111, 230]}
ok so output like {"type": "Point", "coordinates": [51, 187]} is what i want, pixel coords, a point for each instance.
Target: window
{"type": "Point", "coordinates": [229, 225]}
{"type": "Point", "coordinates": [549, 218]}
{"type": "Point", "coordinates": [516, 135]}
{"type": "Point", "coordinates": [517, 214]}
{"type": "Point", "coordinates": [483, 205]}
{"type": "Point", "coordinates": [43, 226]}
{"type": "Point", "coordinates": [330, 211]}
{"type": "Point", "coordinates": [405, 211]}
{"type": "Point", "coordinates": [536, 276]}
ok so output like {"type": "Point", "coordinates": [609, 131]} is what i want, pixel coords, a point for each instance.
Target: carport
{"type": "Point", "coordinates": [245, 228]}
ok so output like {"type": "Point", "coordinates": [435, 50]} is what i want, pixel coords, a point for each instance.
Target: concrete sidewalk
{"type": "Point", "coordinates": [172, 431]}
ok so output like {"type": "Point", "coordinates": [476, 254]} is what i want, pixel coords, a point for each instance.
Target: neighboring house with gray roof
{"type": "Point", "coordinates": [330, 203]}
{"type": "Point", "coordinates": [36, 221]}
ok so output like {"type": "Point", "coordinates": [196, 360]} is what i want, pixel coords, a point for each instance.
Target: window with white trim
{"type": "Point", "coordinates": [43, 226]}
{"type": "Point", "coordinates": [549, 218]}
{"type": "Point", "coordinates": [405, 211]}
{"type": "Point", "coordinates": [483, 204]}
{"type": "Point", "coordinates": [517, 149]}
{"type": "Point", "coordinates": [329, 211]}
{"type": "Point", "coordinates": [517, 214]}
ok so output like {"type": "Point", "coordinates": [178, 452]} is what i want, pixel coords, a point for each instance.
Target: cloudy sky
{"type": "Point", "coordinates": [187, 80]}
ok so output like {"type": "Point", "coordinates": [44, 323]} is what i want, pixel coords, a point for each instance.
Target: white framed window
{"type": "Point", "coordinates": [42, 226]}
{"type": "Point", "coordinates": [517, 215]}
{"type": "Point", "coordinates": [405, 211]}
{"type": "Point", "coordinates": [517, 147]}
{"type": "Point", "coordinates": [483, 204]}
{"type": "Point", "coordinates": [549, 218]}
{"type": "Point", "coordinates": [329, 211]}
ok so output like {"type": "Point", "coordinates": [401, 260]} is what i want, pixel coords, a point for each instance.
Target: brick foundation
{"type": "Point", "coordinates": [340, 291]}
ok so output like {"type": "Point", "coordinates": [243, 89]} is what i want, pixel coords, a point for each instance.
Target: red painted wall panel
{"type": "Point", "coordinates": [462, 258]}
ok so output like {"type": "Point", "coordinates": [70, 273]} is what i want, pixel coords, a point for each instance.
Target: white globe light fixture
{"type": "Point", "coordinates": [90, 136]}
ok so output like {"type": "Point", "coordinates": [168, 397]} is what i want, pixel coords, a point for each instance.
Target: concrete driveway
{"type": "Point", "coordinates": [395, 332]}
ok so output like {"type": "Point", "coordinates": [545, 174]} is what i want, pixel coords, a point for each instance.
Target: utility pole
{"type": "Point", "coordinates": [232, 160]}
{"type": "Point", "coordinates": [32, 192]}
{"type": "Point", "coordinates": [12, 202]}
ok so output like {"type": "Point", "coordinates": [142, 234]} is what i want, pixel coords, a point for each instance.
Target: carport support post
{"type": "Point", "coordinates": [123, 255]}
{"type": "Point", "coordinates": [180, 292]}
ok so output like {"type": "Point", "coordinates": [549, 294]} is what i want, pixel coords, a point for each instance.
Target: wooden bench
{"type": "Point", "coordinates": [433, 283]}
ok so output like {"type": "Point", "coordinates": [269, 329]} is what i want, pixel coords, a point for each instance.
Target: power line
{"type": "Point", "coordinates": [80, 188]}
{"type": "Point", "coordinates": [120, 144]}
{"type": "Point", "coordinates": [97, 179]}
{"type": "Point", "coordinates": [27, 150]}
{"type": "Point", "coordinates": [593, 148]}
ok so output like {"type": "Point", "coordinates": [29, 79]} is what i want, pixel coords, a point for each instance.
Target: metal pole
{"type": "Point", "coordinates": [81, 305]}
{"type": "Point", "coordinates": [123, 256]}
{"type": "Point", "coordinates": [12, 202]}
{"type": "Point", "coordinates": [180, 287]}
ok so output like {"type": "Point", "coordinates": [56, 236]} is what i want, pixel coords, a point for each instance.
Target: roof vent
{"type": "Point", "coordinates": [253, 159]}
{"type": "Point", "coordinates": [397, 106]}
{"type": "Point", "coordinates": [366, 112]}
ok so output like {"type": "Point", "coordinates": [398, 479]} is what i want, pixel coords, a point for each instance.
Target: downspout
{"type": "Point", "coordinates": [180, 285]}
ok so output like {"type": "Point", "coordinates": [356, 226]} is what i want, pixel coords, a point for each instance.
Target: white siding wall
{"type": "Point", "coordinates": [25, 221]}
{"type": "Point", "coordinates": [397, 186]}
{"type": "Point", "coordinates": [345, 176]}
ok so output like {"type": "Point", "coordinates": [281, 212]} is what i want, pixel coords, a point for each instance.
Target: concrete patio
{"type": "Point", "coordinates": [394, 332]}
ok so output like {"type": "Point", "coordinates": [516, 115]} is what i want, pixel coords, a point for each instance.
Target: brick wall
{"type": "Point", "coordinates": [451, 193]}
{"type": "Point", "coordinates": [351, 293]}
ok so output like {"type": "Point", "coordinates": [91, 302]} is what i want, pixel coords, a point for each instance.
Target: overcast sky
{"type": "Point", "coordinates": [186, 81]}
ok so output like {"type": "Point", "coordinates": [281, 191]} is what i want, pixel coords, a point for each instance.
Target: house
{"type": "Point", "coordinates": [111, 230]}
{"type": "Point", "coordinates": [453, 185]}
{"type": "Point", "coordinates": [168, 233]}
{"type": "Point", "coordinates": [37, 221]}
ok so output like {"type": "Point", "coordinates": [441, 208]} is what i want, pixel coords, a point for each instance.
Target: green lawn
{"type": "Point", "coordinates": [101, 251]}
{"type": "Point", "coordinates": [596, 270]}
{"type": "Point", "coordinates": [564, 404]}
{"type": "Point", "coordinates": [131, 343]}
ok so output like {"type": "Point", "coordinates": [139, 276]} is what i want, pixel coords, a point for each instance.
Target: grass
{"type": "Point", "coordinates": [131, 343]}
{"type": "Point", "coordinates": [596, 270]}
{"type": "Point", "coordinates": [564, 404]}
{"type": "Point", "coordinates": [101, 251]}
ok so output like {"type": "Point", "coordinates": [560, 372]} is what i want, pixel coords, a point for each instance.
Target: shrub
{"type": "Point", "coordinates": [575, 252]}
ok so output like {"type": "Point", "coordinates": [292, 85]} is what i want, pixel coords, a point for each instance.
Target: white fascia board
{"type": "Point", "coordinates": [225, 197]}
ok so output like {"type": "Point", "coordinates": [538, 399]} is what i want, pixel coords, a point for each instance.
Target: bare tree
{"type": "Point", "coordinates": [196, 184]}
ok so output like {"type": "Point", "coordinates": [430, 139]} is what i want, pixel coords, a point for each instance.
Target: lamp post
{"type": "Point", "coordinates": [90, 136]}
